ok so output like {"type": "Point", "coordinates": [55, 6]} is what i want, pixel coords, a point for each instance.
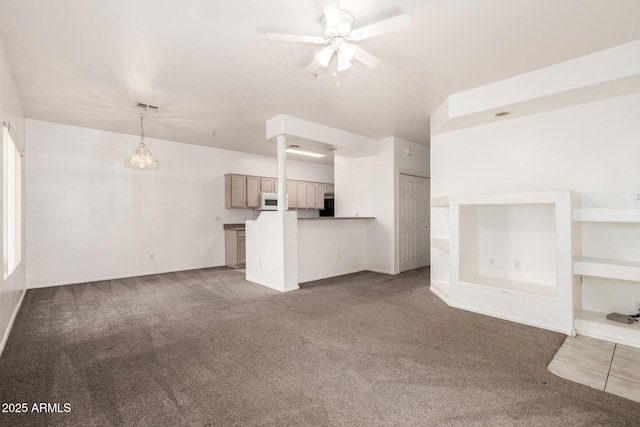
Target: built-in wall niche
{"type": "Point", "coordinates": [509, 246]}
{"type": "Point", "coordinates": [511, 256]}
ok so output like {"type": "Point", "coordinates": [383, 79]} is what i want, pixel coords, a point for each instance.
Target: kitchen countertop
{"type": "Point", "coordinates": [339, 217]}
{"type": "Point", "coordinates": [242, 226]}
{"type": "Point", "coordinates": [234, 226]}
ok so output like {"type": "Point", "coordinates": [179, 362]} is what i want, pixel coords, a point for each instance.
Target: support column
{"type": "Point", "coordinates": [272, 240]}
{"type": "Point", "coordinates": [281, 142]}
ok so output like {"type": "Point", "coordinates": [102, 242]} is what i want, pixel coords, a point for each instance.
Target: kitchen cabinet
{"type": "Point", "coordinates": [268, 185]}
{"type": "Point", "coordinates": [235, 248]}
{"type": "Point", "coordinates": [235, 187]}
{"type": "Point", "coordinates": [292, 192]}
{"type": "Point", "coordinates": [242, 191]}
{"type": "Point", "coordinates": [311, 195]}
{"type": "Point", "coordinates": [253, 192]}
{"type": "Point", "coordinates": [242, 248]}
{"type": "Point", "coordinates": [301, 195]}
{"type": "Point", "coordinates": [320, 190]}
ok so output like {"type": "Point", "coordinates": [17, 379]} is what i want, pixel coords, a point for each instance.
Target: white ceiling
{"type": "Point", "coordinates": [208, 67]}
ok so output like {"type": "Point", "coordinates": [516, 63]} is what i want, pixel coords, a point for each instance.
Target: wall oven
{"type": "Point", "coordinates": [328, 205]}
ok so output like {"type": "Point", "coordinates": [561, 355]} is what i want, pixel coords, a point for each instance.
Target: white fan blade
{"type": "Point", "coordinates": [366, 58]}
{"type": "Point", "coordinates": [331, 10]}
{"type": "Point", "coordinates": [295, 39]}
{"type": "Point", "coordinates": [392, 24]}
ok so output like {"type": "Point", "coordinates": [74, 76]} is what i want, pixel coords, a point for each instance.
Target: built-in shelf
{"type": "Point", "coordinates": [441, 243]}
{"type": "Point", "coordinates": [608, 268]}
{"type": "Point", "coordinates": [440, 201]}
{"type": "Point", "coordinates": [512, 285]}
{"type": "Point", "coordinates": [595, 324]}
{"type": "Point", "coordinates": [606, 215]}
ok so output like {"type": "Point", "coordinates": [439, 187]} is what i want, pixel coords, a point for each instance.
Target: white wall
{"type": "Point", "coordinates": [418, 159]}
{"type": "Point", "coordinates": [331, 247]}
{"type": "Point", "coordinates": [365, 186]}
{"type": "Point", "coordinates": [272, 250]}
{"type": "Point", "coordinates": [90, 218]}
{"type": "Point", "coordinates": [590, 148]}
{"type": "Point", "coordinates": [13, 288]}
{"type": "Point", "coordinates": [368, 186]}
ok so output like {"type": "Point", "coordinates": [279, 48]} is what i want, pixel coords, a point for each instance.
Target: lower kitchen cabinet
{"type": "Point", "coordinates": [235, 248]}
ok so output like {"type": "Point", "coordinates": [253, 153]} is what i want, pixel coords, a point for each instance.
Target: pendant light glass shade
{"type": "Point", "coordinates": [141, 158]}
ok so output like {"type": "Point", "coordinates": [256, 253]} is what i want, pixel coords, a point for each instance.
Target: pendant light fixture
{"type": "Point", "coordinates": [141, 158]}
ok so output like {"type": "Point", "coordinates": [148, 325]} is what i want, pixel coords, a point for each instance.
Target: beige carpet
{"type": "Point", "coordinates": [206, 348]}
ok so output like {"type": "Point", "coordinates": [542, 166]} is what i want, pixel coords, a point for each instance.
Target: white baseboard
{"type": "Point", "coordinates": [440, 293]}
{"type": "Point", "coordinates": [389, 272]}
{"type": "Point", "coordinates": [5, 337]}
{"type": "Point", "coordinates": [328, 276]}
{"type": "Point", "coordinates": [267, 285]}
{"type": "Point", "coordinates": [514, 319]}
{"type": "Point", "coordinates": [125, 276]}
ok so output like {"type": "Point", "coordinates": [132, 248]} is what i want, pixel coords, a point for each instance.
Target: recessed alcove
{"type": "Point", "coordinates": [511, 256]}
{"type": "Point", "coordinates": [509, 246]}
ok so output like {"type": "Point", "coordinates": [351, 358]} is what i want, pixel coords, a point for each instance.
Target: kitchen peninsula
{"type": "Point", "coordinates": [314, 248]}
{"type": "Point", "coordinates": [329, 246]}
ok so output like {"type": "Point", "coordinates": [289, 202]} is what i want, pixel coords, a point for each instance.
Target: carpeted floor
{"type": "Point", "coordinates": [206, 348]}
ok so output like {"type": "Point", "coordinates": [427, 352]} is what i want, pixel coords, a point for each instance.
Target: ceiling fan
{"type": "Point", "coordinates": [339, 38]}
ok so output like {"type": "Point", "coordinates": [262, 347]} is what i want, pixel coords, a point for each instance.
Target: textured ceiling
{"type": "Point", "coordinates": [208, 67]}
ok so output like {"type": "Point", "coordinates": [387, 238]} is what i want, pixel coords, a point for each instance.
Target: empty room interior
{"type": "Point", "coordinates": [320, 212]}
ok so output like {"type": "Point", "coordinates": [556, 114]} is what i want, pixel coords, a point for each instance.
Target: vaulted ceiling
{"type": "Point", "coordinates": [208, 67]}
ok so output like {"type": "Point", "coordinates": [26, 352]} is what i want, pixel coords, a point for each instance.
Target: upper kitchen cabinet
{"type": "Point", "coordinates": [253, 192]}
{"type": "Point", "coordinates": [301, 195]}
{"type": "Point", "coordinates": [312, 189]}
{"type": "Point", "coordinates": [268, 185]}
{"type": "Point", "coordinates": [235, 191]}
{"type": "Point", "coordinates": [242, 191]}
{"type": "Point", "coordinates": [292, 192]}
{"type": "Point", "coordinates": [320, 190]}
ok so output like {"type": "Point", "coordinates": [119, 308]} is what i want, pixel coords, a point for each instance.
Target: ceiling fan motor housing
{"type": "Point", "coordinates": [346, 25]}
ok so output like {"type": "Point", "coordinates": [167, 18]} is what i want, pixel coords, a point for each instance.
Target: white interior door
{"type": "Point", "coordinates": [414, 222]}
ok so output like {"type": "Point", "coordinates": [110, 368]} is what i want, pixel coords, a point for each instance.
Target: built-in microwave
{"type": "Point", "coordinates": [268, 201]}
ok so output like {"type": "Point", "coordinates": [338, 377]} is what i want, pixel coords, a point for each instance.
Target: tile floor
{"type": "Point", "coordinates": [614, 368]}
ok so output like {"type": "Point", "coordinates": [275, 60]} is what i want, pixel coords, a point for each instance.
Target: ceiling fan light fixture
{"type": "Point", "coordinates": [338, 32]}
{"type": "Point", "coordinates": [347, 51]}
{"type": "Point", "coordinates": [343, 64]}
{"type": "Point", "coordinates": [324, 56]}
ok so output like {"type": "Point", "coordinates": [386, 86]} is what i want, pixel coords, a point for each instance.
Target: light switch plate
{"type": "Point", "coordinates": [636, 197]}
